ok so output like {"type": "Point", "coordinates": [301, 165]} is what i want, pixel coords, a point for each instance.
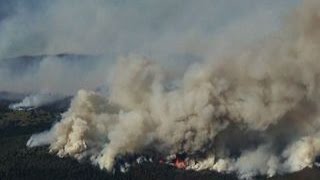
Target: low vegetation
{"type": "Point", "coordinates": [20, 162]}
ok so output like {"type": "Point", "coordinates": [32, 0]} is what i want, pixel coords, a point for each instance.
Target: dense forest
{"type": "Point", "coordinates": [20, 162]}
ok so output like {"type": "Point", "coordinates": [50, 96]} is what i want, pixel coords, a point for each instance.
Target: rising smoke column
{"type": "Point", "coordinates": [268, 92]}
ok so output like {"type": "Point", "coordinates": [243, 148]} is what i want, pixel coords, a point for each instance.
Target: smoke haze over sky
{"type": "Point", "coordinates": [159, 29]}
{"type": "Point", "coordinates": [175, 33]}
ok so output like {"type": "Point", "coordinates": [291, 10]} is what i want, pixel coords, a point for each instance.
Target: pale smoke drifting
{"type": "Point", "coordinates": [174, 33]}
{"type": "Point", "coordinates": [35, 101]}
{"type": "Point", "coordinates": [265, 97]}
{"type": "Point", "coordinates": [41, 139]}
{"type": "Point", "coordinates": [53, 75]}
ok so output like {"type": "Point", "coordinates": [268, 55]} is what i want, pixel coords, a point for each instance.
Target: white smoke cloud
{"type": "Point", "coordinates": [302, 153]}
{"type": "Point", "coordinates": [44, 138]}
{"type": "Point", "coordinates": [35, 101]}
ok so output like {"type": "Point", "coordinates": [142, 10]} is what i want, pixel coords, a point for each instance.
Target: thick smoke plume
{"type": "Point", "coordinates": [251, 111]}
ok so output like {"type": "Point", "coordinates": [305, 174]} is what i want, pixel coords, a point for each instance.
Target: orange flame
{"type": "Point", "coordinates": [180, 164]}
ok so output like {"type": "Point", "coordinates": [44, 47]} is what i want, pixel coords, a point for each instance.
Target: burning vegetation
{"type": "Point", "coordinates": [249, 112]}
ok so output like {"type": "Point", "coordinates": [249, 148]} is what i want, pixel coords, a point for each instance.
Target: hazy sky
{"type": "Point", "coordinates": [156, 28]}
